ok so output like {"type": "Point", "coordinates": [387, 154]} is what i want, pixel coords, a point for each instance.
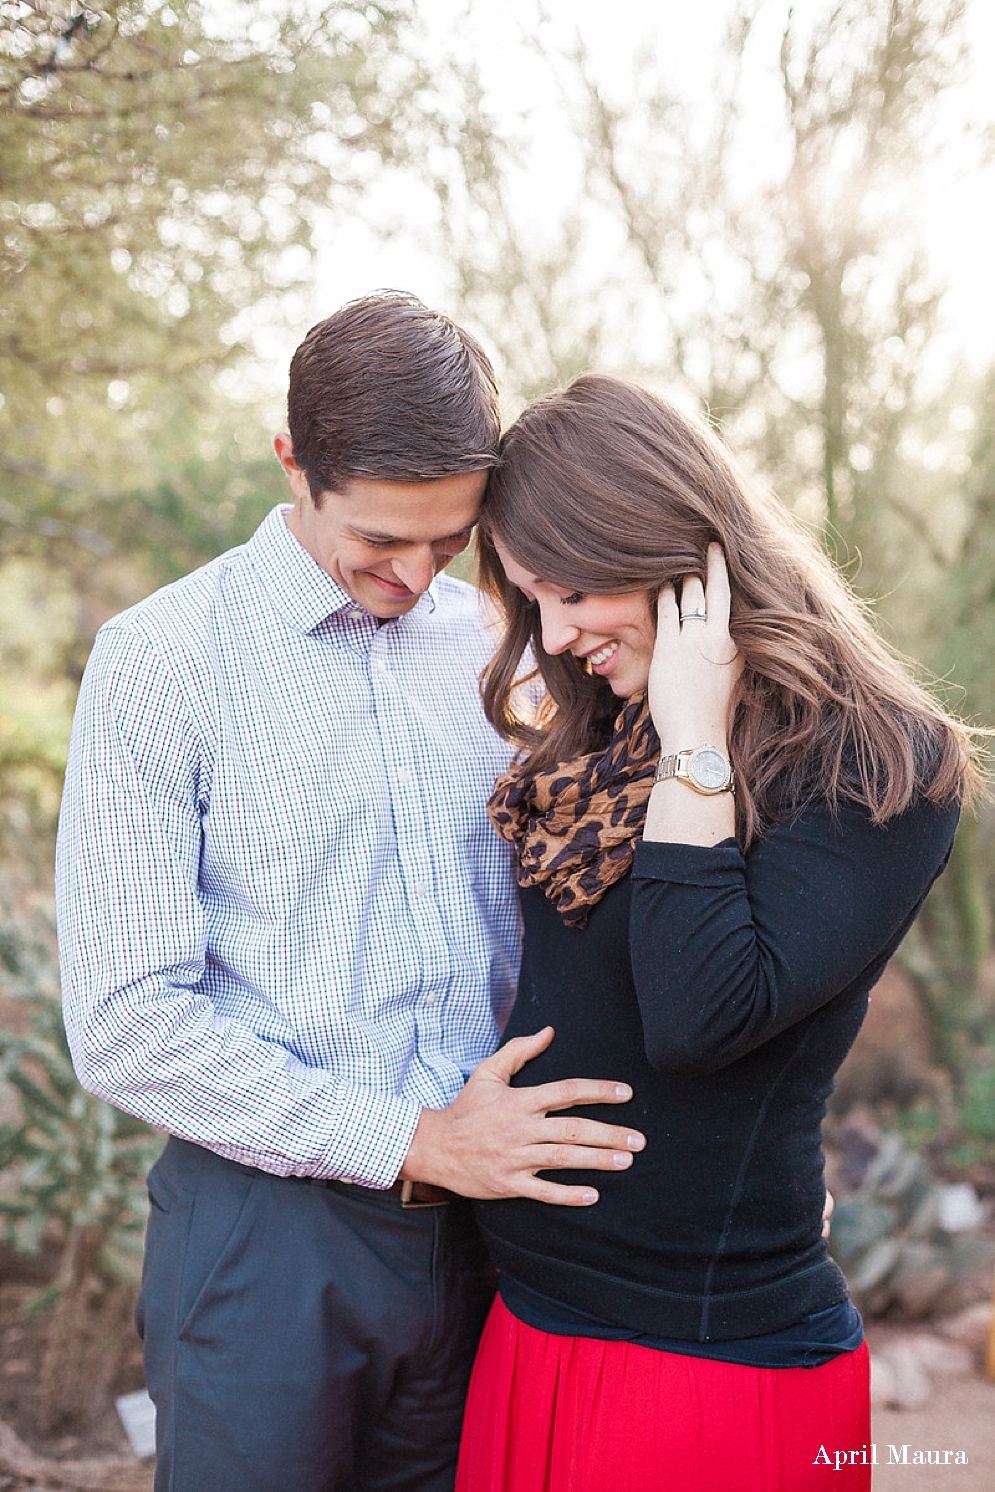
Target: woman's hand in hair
{"type": "Point", "coordinates": [696, 665]}
{"type": "Point", "coordinates": [693, 677]}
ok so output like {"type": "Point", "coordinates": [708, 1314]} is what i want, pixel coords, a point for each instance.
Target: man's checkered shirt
{"type": "Point", "coordinates": [285, 922]}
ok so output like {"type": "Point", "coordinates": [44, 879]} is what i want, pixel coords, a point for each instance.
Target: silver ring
{"type": "Point", "coordinates": [700, 615]}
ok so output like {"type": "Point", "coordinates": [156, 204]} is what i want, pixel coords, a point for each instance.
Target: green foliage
{"type": "Point", "coordinates": [206, 488]}
{"type": "Point", "coordinates": [794, 300]}
{"type": "Point", "coordinates": [918, 1125]}
{"type": "Point", "coordinates": [79, 1164]}
{"type": "Point", "coordinates": [955, 632]}
{"type": "Point", "coordinates": [976, 1112]}
{"type": "Point", "coordinates": [38, 635]}
{"type": "Point", "coordinates": [159, 166]}
{"type": "Point", "coordinates": [977, 1115]}
{"type": "Point", "coordinates": [162, 169]}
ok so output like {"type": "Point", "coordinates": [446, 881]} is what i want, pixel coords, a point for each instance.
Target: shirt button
{"type": "Point", "coordinates": [380, 668]}
{"type": "Point", "coordinates": [355, 611]}
{"type": "Point", "coordinates": [421, 889]}
{"type": "Point", "coordinates": [431, 999]}
{"type": "Point", "coordinates": [404, 777]}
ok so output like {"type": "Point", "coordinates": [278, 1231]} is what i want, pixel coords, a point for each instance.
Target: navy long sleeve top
{"type": "Point", "coordinates": [726, 990]}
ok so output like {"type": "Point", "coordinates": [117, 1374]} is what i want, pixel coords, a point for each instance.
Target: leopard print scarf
{"type": "Point", "coordinates": [574, 827]}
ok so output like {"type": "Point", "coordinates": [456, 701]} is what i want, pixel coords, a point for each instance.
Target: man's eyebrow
{"type": "Point", "coordinates": [378, 538]}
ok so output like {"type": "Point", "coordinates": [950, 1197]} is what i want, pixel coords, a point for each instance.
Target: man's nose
{"type": "Point", "coordinates": [558, 631]}
{"type": "Point", "coordinates": [416, 568]}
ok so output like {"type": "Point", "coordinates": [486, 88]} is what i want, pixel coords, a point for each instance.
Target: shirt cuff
{"type": "Point", "coordinates": [371, 1152]}
{"type": "Point", "coordinates": [687, 864]}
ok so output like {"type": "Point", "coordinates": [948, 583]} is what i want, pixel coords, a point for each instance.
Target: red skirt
{"type": "Point", "coordinates": [574, 1414]}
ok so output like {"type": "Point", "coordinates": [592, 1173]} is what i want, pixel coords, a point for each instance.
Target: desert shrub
{"type": "Point", "coordinates": [77, 1166]}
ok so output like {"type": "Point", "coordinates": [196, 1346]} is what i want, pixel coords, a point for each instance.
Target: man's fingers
{"type": "Point", "coordinates": [590, 1133]}
{"type": "Point", "coordinates": [568, 1092]}
{"type": "Point", "coordinates": [551, 1097]}
{"type": "Point", "coordinates": [579, 1158]}
{"type": "Point", "coordinates": [494, 1138]}
{"type": "Point", "coordinates": [556, 1195]}
{"type": "Point", "coordinates": [512, 1057]}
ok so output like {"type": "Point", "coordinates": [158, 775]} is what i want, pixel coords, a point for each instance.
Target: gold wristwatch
{"type": "Point", "coordinates": [704, 768]}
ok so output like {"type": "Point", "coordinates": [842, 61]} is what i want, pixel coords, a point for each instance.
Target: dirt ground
{"type": "Point", "coordinates": [27, 1446]}
{"type": "Point", "coordinates": [959, 1416]}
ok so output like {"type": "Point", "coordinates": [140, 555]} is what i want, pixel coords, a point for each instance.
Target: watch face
{"type": "Point", "coordinates": [709, 768]}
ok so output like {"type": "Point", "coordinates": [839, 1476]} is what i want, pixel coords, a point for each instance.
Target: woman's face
{"type": "Point", "coordinates": [614, 634]}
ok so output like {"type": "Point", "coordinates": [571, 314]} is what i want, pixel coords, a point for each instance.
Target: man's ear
{"type": "Point", "coordinates": [284, 448]}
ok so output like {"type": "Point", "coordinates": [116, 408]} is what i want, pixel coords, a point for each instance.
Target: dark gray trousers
{"type": "Point", "coordinates": [301, 1337]}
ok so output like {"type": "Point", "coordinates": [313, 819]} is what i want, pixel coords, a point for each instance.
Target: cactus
{"type": "Point", "coordinates": [889, 1235]}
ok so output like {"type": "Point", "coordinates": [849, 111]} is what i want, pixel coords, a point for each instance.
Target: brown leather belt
{"type": "Point", "coordinates": [410, 1193]}
{"type": "Point", "coordinates": [421, 1194]}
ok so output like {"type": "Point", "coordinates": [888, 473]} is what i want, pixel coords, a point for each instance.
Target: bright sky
{"type": "Point", "coordinates": [957, 207]}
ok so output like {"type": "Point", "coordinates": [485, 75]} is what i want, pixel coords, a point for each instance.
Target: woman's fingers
{"type": "Point", "coordinates": [695, 662]}
{"type": "Point", "coordinates": [667, 616]}
{"type": "Point", "coordinates": [693, 607]}
{"type": "Point", "coordinates": [718, 588]}
{"type": "Point", "coordinates": [702, 600]}
{"type": "Point", "coordinates": [707, 600]}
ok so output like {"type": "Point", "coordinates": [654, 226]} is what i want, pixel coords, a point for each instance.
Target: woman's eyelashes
{"type": "Point", "coordinates": [572, 600]}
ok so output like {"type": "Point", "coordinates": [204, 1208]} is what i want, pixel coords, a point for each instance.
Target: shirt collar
{"type": "Point", "coordinates": [305, 593]}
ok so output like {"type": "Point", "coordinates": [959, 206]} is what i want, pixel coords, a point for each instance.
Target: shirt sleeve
{"type": "Point", "coordinates": [728, 952]}
{"type": "Point", "coordinates": [134, 947]}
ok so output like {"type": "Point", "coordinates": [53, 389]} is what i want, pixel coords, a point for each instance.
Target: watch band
{"type": "Point", "coordinates": [706, 769]}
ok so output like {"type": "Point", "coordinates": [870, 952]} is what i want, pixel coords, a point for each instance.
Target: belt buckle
{"type": "Point", "coordinates": [408, 1197]}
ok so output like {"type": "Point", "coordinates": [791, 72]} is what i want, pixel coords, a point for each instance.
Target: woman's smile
{"type": "Point", "coordinates": [613, 634]}
{"type": "Point", "coordinates": [602, 656]}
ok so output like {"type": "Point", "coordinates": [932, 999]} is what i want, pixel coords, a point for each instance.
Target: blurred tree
{"type": "Point", "coordinates": [860, 92]}
{"type": "Point", "coordinates": [161, 166]}
{"type": "Point", "coordinates": [898, 484]}
{"type": "Point", "coordinates": [955, 940]}
{"type": "Point", "coordinates": [791, 296]}
{"type": "Point", "coordinates": [527, 288]}
{"type": "Point", "coordinates": [164, 168]}
{"type": "Point", "coordinates": [794, 298]}
{"type": "Point", "coordinates": [37, 631]}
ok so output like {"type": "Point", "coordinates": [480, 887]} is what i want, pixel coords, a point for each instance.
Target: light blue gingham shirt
{"type": "Point", "coordinates": [285, 922]}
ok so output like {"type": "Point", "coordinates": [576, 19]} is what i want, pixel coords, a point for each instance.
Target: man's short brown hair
{"type": "Point", "coordinates": [388, 389]}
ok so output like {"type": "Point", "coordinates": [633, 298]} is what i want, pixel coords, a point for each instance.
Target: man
{"type": "Point", "coordinates": [289, 937]}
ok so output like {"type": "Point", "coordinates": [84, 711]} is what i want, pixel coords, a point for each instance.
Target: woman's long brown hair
{"type": "Point", "coordinates": [605, 488]}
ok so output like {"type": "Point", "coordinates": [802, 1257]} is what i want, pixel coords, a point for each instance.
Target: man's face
{"type": "Point", "coordinates": [384, 542]}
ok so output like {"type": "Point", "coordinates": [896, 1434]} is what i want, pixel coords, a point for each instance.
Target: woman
{"type": "Point", "coordinates": [729, 809]}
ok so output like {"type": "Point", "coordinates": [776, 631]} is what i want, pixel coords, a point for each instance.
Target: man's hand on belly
{"type": "Point", "coordinates": [493, 1138]}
